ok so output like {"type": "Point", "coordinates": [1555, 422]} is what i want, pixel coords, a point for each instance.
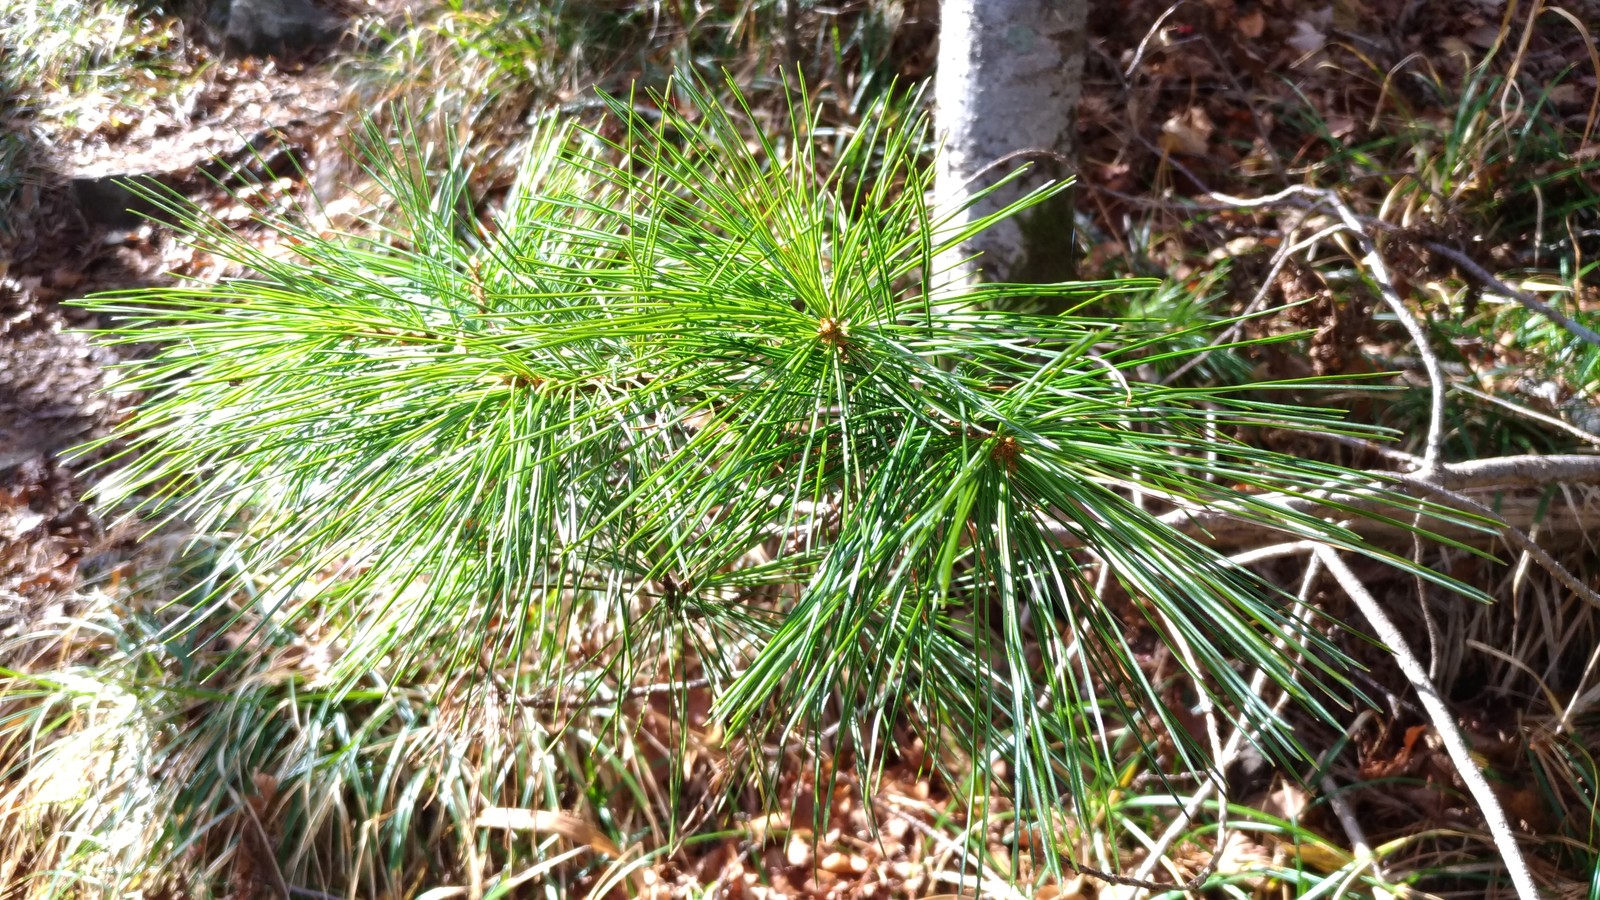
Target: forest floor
{"type": "Point", "coordinates": [1383, 101]}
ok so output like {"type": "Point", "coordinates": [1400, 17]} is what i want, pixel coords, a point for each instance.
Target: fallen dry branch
{"type": "Point", "coordinates": [1520, 471]}
{"type": "Point", "coordinates": [1213, 780]}
{"type": "Point", "coordinates": [1371, 261]}
{"type": "Point", "coordinates": [1487, 280]}
{"type": "Point", "coordinates": [1521, 541]}
{"type": "Point", "coordinates": [1497, 484]}
{"type": "Point", "coordinates": [1567, 428]}
{"type": "Point", "coordinates": [1444, 723]}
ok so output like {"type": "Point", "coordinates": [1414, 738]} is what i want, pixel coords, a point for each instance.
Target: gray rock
{"type": "Point", "coordinates": [276, 27]}
{"type": "Point", "coordinates": [116, 201]}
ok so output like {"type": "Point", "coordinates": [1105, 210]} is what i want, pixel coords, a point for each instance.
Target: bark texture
{"type": "Point", "coordinates": [1008, 83]}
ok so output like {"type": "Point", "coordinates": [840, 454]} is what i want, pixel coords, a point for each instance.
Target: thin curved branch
{"type": "Point", "coordinates": [1230, 526]}
{"type": "Point", "coordinates": [1505, 840]}
{"type": "Point", "coordinates": [1515, 537]}
{"type": "Point", "coordinates": [1373, 262]}
{"type": "Point", "coordinates": [1534, 304]}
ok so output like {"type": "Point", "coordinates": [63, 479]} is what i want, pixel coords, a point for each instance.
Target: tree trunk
{"type": "Point", "coordinates": [1006, 93]}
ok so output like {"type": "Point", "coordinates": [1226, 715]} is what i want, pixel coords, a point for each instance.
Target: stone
{"type": "Point", "coordinates": [275, 27]}
{"type": "Point", "coordinates": [119, 201]}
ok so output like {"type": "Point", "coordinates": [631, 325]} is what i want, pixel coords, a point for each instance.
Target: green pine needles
{"type": "Point", "coordinates": [688, 416]}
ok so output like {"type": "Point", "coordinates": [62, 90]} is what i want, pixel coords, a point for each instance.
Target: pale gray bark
{"type": "Point", "coordinates": [1007, 93]}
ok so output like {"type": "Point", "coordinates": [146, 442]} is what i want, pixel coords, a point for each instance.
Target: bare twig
{"type": "Point", "coordinates": [1399, 457]}
{"type": "Point", "coordinates": [1532, 470]}
{"type": "Point", "coordinates": [573, 699]}
{"type": "Point", "coordinates": [1375, 266]}
{"type": "Point", "coordinates": [1275, 551]}
{"type": "Point", "coordinates": [1278, 260]}
{"type": "Point", "coordinates": [1486, 279]}
{"type": "Point", "coordinates": [1213, 782]}
{"type": "Point", "coordinates": [1443, 722]}
{"type": "Point", "coordinates": [1513, 536]}
{"type": "Point", "coordinates": [1429, 623]}
{"type": "Point", "coordinates": [1138, 53]}
{"type": "Point", "coordinates": [1341, 807]}
{"type": "Point", "coordinates": [1567, 427]}
{"type": "Point", "coordinates": [1231, 525]}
